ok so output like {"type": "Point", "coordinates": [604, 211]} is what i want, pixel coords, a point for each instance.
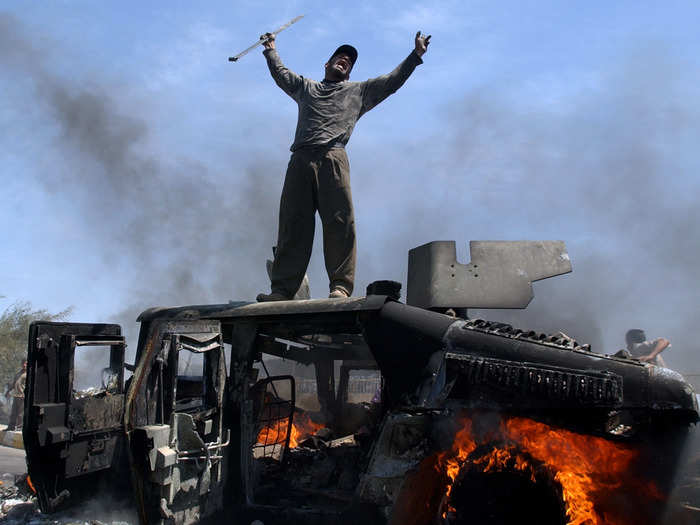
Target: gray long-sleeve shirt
{"type": "Point", "coordinates": [329, 110]}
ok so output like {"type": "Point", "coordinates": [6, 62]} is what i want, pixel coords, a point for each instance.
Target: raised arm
{"type": "Point", "coordinates": [377, 89]}
{"type": "Point", "coordinates": [660, 345]}
{"type": "Point", "coordinates": [289, 81]}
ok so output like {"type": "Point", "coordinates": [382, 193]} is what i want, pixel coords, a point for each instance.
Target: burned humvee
{"type": "Point", "coordinates": [456, 421]}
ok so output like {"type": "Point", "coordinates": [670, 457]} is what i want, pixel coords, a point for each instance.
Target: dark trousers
{"type": "Point", "coordinates": [316, 179]}
{"type": "Point", "coordinates": [16, 414]}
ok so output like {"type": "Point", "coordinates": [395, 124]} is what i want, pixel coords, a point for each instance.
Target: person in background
{"type": "Point", "coordinates": [646, 351]}
{"type": "Point", "coordinates": [16, 392]}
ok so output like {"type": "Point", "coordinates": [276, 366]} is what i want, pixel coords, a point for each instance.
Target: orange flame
{"type": "Point", "coordinates": [584, 466]}
{"type": "Point", "coordinates": [30, 484]}
{"type": "Point", "coordinates": [302, 428]}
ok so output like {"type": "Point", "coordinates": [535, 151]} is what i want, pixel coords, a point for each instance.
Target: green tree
{"type": "Point", "coordinates": [14, 333]}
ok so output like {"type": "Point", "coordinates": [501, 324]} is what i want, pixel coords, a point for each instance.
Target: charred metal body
{"type": "Point", "coordinates": [197, 434]}
{"type": "Point", "coordinates": [74, 439]}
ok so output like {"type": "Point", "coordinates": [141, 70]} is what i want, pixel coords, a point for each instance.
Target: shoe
{"type": "Point", "coordinates": [269, 297]}
{"type": "Point", "coordinates": [338, 293]}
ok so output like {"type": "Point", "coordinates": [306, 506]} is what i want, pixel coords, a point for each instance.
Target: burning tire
{"type": "Point", "coordinates": [494, 489]}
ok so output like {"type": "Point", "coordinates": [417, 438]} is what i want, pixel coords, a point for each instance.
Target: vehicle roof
{"type": "Point", "coordinates": [242, 309]}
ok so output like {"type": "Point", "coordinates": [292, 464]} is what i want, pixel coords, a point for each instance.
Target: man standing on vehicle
{"type": "Point", "coordinates": [318, 174]}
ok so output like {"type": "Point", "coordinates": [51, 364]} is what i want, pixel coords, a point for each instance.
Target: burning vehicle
{"type": "Point", "coordinates": [458, 420]}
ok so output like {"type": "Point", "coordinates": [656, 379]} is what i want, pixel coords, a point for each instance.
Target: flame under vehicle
{"type": "Point", "coordinates": [390, 412]}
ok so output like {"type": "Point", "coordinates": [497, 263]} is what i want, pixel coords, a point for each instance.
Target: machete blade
{"type": "Point", "coordinates": [260, 42]}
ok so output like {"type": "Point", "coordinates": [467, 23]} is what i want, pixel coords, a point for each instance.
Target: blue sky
{"type": "Point", "coordinates": [140, 167]}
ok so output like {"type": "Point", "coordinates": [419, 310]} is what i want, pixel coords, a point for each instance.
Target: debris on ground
{"type": "Point", "coordinates": [19, 506]}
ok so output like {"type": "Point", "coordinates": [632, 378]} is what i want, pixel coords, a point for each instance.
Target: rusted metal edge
{"type": "Point", "coordinates": [245, 309]}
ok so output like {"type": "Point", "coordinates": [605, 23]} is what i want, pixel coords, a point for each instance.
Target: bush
{"type": "Point", "coordinates": [14, 333]}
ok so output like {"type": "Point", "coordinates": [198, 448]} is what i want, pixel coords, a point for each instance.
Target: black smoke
{"type": "Point", "coordinates": [184, 232]}
{"type": "Point", "coordinates": [609, 168]}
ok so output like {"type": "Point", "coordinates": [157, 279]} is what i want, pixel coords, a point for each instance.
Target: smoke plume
{"type": "Point", "coordinates": [185, 233]}
{"type": "Point", "coordinates": [607, 167]}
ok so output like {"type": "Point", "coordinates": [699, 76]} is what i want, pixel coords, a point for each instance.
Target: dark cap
{"type": "Point", "coordinates": [347, 49]}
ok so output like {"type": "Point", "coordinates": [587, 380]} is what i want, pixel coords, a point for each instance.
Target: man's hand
{"type": "Point", "coordinates": [647, 358]}
{"type": "Point", "coordinates": [269, 40]}
{"type": "Point", "coordinates": [422, 42]}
